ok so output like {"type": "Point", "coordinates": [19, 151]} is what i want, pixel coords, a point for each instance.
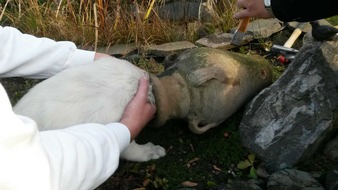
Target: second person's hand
{"type": "Point", "coordinates": [140, 110]}
{"type": "Point", "coordinates": [251, 8]}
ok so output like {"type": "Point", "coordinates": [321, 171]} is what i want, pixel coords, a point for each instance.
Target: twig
{"type": "Point", "coordinates": [19, 9]}
{"type": "Point", "coordinates": [3, 11]}
{"type": "Point", "coordinates": [118, 14]}
{"type": "Point", "coordinates": [58, 9]}
{"type": "Point", "coordinates": [96, 27]}
{"type": "Point", "coordinates": [200, 11]}
{"type": "Point", "coordinates": [138, 22]}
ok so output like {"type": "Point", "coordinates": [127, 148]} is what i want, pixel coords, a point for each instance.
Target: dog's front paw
{"type": "Point", "coordinates": [141, 153]}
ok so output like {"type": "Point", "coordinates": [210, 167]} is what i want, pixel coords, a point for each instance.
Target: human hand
{"type": "Point", "coordinates": [139, 110]}
{"type": "Point", "coordinates": [251, 8]}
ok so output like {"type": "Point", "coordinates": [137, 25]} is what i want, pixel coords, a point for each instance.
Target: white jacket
{"type": "Point", "coordinates": [78, 157]}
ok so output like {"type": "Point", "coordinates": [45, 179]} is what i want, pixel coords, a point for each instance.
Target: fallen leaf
{"type": "Point", "coordinates": [146, 182]}
{"type": "Point", "coordinates": [170, 148]}
{"type": "Point", "coordinates": [151, 168]}
{"type": "Point", "coordinates": [192, 147]}
{"type": "Point", "coordinates": [192, 161]}
{"type": "Point", "coordinates": [189, 184]}
{"type": "Point", "coordinates": [216, 168]}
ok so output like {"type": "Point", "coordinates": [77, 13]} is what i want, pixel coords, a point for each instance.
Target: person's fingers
{"type": "Point", "coordinates": [143, 87]}
{"type": "Point", "coordinates": [241, 4]}
{"type": "Point", "coordinates": [139, 110]}
{"type": "Point", "coordinates": [242, 14]}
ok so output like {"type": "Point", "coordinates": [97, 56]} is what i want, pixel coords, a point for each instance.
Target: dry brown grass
{"type": "Point", "coordinates": [92, 23]}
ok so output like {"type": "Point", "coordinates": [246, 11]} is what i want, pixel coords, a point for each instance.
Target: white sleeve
{"type": "Point", "coordinates": [79, 157]}
{"type": "Point", "coordinates": [84, 156]}
{"type": "Point", "coordinates": [28, 56]}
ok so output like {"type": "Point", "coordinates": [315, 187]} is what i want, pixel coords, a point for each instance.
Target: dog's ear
{"type": "Point", "coordinates": [202, 75]}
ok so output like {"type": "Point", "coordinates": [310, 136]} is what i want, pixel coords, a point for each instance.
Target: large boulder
{"type": "Point", "coordinates": [288, 121]}
{"type": "Point", "coordinates": [206, 86]}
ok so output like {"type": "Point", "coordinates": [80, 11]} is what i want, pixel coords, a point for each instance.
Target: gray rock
{"type": "Point", "coordinates": [236, 185]}
{"type": "Point", "coordinates": [292, 180]}
{"type": "Point", "coordinates": [307, 27]}
{"type": "Point", "coordinates": [287, 122]}
{"type": "Point", "coordinates": [262, 28]}
{"type": "Point", "coordinates": [169, 48]}
{"type": "Point", "coordinates": [331, 149]}
{"type": "Point", "coordinates": [256, 29]}
{"type": "Point", "coordinates": [221, 41]}
{"type": "Point", "coordinates": [118, 50]}
{"type": "Point", "coordinates": [332, 179]}
{"type": "Point", "coordinates": [261, 171]}
{"type": "Point", "coordinates": [185, 10]}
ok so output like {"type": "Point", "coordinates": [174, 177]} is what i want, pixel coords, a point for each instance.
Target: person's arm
{"type": "Point", "coordinates": [288, 10]}
{"type": "Point", "coordinates": [28, 56]}
{"type": "Point", "coordinates": [78, 157]}
{"type": "Point", "coordinates": [84, 156]}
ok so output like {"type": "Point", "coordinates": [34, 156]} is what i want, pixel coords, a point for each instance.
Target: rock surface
{"type": "Point", "coordinates": [331, 149]}
{"type": "Point", "coordinates": [263, 28]}
{"type": "Point", "coordinates": [293, 179]}
{"type": "Point", "coordinates": [332, 179]}
{"type": "Point", "coordinates": [169, 48]}
{"type": "Point", "coordinates": [236, 185]}
{"type": "Point", "coordinates": [186, 10]}
{"type": "Point", "coordinates": [257, 29]}
{"type": "Point", "coordinates": [119, 50]}
{"type": "Point", "coordinates": [221, 41]}
{"type": "Point", "coordinates": [288, 121]}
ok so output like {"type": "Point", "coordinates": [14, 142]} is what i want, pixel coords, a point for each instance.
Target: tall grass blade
{"type": "Point", "coordinates": [58, 9]}
{"type": "Point", "coordinates": [118, 14]}
{"type": "Point", "coordinates": [3, 10]}
{"type": "Point", "coordinates": [96, 27]}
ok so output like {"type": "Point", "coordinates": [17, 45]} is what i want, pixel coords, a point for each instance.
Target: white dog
{"type": "Point", "coordinates": [92, 93]}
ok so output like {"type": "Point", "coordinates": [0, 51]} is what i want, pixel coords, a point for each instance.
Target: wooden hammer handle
{"type": "Point", "coordinates": [294, 36]}
{"type": "Point", "coordinates": [243, 24]}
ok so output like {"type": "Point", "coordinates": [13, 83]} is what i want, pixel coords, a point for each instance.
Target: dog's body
{"type": "Point", "coordinates": [93, 93]}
